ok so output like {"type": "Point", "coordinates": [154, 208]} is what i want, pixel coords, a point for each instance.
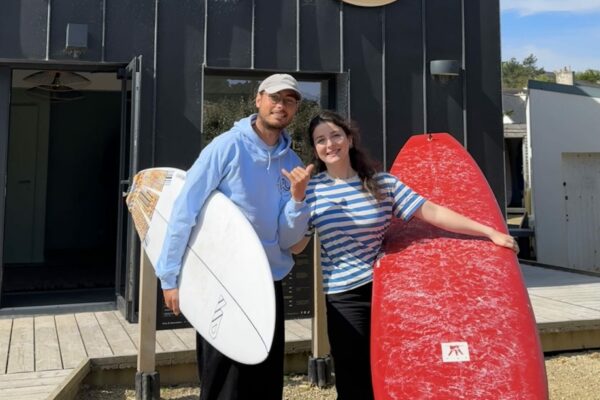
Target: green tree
{"type": "Point", "coordinates": [589, 75]}
{"type": "Point", "coordinates": [515, 74]}
{"type": "Point", "coordinates": [220, 115]}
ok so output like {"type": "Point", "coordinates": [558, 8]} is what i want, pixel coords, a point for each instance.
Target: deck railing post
{"type": "Point", "coordinates": [147, 379]}
{"type": "Point", "coordinates": [320, 366]}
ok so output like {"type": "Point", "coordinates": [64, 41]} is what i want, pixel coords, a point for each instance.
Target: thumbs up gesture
{"type": "Point", "coordinates": [299, 178]}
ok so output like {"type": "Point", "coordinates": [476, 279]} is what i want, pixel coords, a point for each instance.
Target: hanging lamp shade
{"type": "Point", "coordinates": [56, 86]}
{"type": "Point", "coordinates": [57, 78]}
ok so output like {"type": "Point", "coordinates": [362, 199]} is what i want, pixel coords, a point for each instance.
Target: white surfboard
{"type": "Point", "coordinates": [225, 286]}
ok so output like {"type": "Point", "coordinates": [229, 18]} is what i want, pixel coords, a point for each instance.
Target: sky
{"type": "Point", "coordinates": [560, 33]}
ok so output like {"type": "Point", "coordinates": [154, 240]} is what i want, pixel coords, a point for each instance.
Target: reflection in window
{"type": "Point", "coordinates": [228, 99]}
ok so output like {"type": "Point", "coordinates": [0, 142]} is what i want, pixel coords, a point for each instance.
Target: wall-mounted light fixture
{"type": "Point", "coordinates": [444, 70]}
{"type": "Point", "coordinates": [76, 42]}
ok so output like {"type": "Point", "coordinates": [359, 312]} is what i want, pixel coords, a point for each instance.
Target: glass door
{"type": "Point", "coordinates": [127, 244]}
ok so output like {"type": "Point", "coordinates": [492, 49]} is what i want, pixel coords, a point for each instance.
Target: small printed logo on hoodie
{"type": "Point", "coordinates": [283, 184]}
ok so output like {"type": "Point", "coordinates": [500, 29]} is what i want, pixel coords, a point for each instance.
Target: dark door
{"type": "Point", "coordinates": [127, 243]}
{"type": "Point", "coordinates": [5, 84]}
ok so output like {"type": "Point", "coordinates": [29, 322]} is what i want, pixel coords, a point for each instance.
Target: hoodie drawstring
{"type": "Point", "coordinates": [269, 162]}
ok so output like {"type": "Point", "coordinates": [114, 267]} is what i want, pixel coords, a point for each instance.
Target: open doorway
{"type": "Point", "coordinates": [62, 185]}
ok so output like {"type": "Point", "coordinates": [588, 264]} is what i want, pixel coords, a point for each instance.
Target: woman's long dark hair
{"type": "Point", "coordinates": [359, 160]}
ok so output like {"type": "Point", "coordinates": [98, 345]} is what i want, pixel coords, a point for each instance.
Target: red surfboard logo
{"type": "Point", "coordinates": [455, 352]}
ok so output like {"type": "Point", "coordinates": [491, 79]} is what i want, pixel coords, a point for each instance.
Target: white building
{"type": "Point", "coordinates": [563, 124]}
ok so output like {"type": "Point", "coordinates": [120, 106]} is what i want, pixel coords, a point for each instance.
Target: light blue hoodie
{"type": "Point", "coordinates": [248, 171]}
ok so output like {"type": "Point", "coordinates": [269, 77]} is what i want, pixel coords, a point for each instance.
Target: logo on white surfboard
{"type": "Point", "coordinates": [455, 352]}
{"type": "Point", "coordinates": [215, 321]}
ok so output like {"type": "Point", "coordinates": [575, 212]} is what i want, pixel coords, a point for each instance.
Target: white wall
{"type": "Point", "coordinates": [561, 125]}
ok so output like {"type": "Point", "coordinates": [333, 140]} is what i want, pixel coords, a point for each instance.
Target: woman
{"type": "Point", "coordinates": [351, 207]}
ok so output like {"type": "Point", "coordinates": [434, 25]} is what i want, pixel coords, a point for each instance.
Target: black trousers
{"type": "Point", "coordinates": [349, 330]}
{"type": "Point", "coordinates": [224, 379]}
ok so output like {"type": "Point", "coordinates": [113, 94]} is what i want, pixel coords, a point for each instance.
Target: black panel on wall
{"type": "Point", "coordinates": [275, 35]}
{"type": "Point", "coordinates": [130, 30]}
{"type": "Point", "coordinates": [363, 46]}
{"type": "Point", "coordinates": [485, 138]}
{"type": "Point", "coordinates": [444, 42]}
{"type": "Point", "coordinates": [229, 33]}
{"type": "Point", "coordinates": [23, 25]}
{"type": "Point", "coordinates": [87, 12]}
{"type": "Point", "coordinates": [129, 33]}
{"type": "Point", "coordinates": [179, 83]}
{"type": "Point", "coordinates": [320, 35]}
{"type": "Point", "coordinates": [5, 85]}
{"type": "Point", "coordinates": [403, 74]}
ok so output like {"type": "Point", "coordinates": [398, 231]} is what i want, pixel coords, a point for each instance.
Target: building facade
{"type": "Point", "coordinates": [564, 165]}
{"type": "Point", "coordinates": [154, 67]}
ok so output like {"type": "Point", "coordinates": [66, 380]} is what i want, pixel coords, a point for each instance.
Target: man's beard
{"type": "Point", "coordinates": [279, 125]}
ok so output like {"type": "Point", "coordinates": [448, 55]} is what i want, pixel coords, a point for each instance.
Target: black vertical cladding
{"type": "Point", "coordinates": [179, 83]}
{"type": "Point", "coordinates": [174, 131]}
{"type": "Point", "coordinates": [275, 36]}
{"type": "Point", "coordinates": [229, 33]}
{"type": "Point", "coordinates": [130, 33]}
{"type": "Point", "coordinates": [485, 138]}
{"type": "Point", "coordinates": [403, 74]}
{"type": "Point", "coordinates": [88, 12]}
{"type": "Point", "coordinates": [130, 30]}
{"type": "Point", "coordinates": [320, 36]}
{"type": "Point", "coordinates": [5, 86]}
{"type": "Point", "coordinates": [23, 27]}
{"type": "Point", "coordinates": [444, 42]}
{"type": "Point", "coordinates": [363, 46]}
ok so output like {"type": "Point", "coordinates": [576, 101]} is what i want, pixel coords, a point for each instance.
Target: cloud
{"type": "Point", "coordinates": [555, 45]}
{"type": "Point", "coordinates": [528, 7]}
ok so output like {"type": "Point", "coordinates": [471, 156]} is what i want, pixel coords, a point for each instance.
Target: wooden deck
{"type": "Point", "coordinates": [562, 299]}
{"type": "Point", "coordinates": [38, 352]}
{"type": "Point", "coordinates": [566, 307]}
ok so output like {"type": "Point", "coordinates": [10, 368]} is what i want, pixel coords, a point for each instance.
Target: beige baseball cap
{"type": "Point", "coordinates": [278, 82]}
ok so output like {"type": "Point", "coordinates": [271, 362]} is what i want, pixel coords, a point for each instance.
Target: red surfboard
{"type": "Point", "coordinates": [451, 315]}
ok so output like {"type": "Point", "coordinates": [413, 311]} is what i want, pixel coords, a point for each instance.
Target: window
{"type": "Point", "coordinates": [230, 98]}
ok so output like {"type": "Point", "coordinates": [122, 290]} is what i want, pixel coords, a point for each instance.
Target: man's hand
{"type": "Point", "coordinates": [172, 300]}
{"type": "Point", "coordinates": [299, 178]}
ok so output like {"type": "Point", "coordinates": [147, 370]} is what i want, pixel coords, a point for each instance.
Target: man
{"type": "Point", "coordinates": [249, 164]}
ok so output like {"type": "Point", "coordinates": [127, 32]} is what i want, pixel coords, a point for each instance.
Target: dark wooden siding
{"type": "Point", "coordinates": [23, 29]}
{"type": "Point", "coordinates": [386, 51]}
{"type": "Point", "coordinates": [87, 12]}
{"type": "Point", "coordinates": [179, 83]}
{"type": "Point", "coordinates": [403, 74]}
{"type": "Point", "coordinates": [5, 84]}
{"type": "Point", "coordinates": [320, 36]}
{"type": "Point", "coordinates": [444, 42]}
{"type": "Point", "coordinates": [129, 28]}
{"type": "Point", "coordinates": [363, 46]}
{"type": "Point", "coordinates": [229, 34]}
{"type": "Point", "coordinates": [275, 38]}
{"type": "Point", "coordinates": [485, 138]}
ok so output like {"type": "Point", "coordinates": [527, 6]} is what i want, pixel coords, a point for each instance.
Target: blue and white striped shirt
{"type": "Point", "coordinates": [351, 224]}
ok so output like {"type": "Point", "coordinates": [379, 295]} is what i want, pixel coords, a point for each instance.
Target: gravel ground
{"type": "Point", "coordinates": [571, 376]}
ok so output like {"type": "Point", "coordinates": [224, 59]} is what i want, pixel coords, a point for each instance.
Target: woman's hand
{"type": "Point", "coordinates": [449, 220]}
{"type": "Point", "coordinates": [504, 240]}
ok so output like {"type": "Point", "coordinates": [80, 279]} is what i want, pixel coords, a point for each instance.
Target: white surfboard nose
{"type": "Point", "coordinates": [226, 289]}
